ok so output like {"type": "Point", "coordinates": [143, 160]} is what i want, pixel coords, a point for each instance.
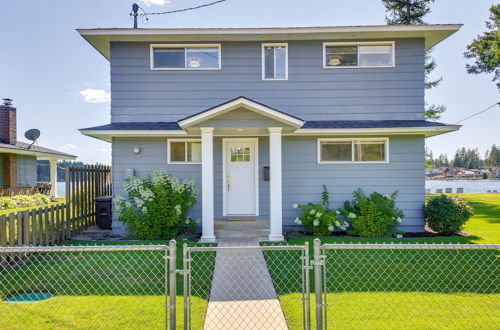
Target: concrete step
{"type": "Point", "coordinates": [241, 225]}
{"type": "Point", "coordinates": [258, 233]}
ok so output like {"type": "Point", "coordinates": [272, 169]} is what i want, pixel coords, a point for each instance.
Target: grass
{"type": "Point", "coordinates": [407, 288]}
{"type": "Point", "coordinates": [121, 289]}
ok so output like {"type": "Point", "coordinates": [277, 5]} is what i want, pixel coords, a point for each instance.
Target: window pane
{"type": "Point", "coordinates": [194, 152]}
{"type": "Point", "coordinates": [240, 154]}
{"type": "Point", "coordinates": [177, 151]}
{"type": "Point", "coordinates": [379, 55]}
{"type": "Point", "coordinates": [202, 57]}
{"type": "Point", "coordinates": [269, 62]}
{"type": "Point", "coordinates": [169, 58]}
{"type": "Point", "coordinates": [341, 56]}
{"type": "Point", "coordinates": [280, 69]}
{"type": "Point", "coordinates": [369, 151]}
{"type": "Point", "coordinates": [375, 59]}
{"type": "Point", "coordinates": [336, 151]}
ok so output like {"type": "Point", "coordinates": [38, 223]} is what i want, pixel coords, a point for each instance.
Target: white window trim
{"type": "Point", "coordinates": [185, 156]}
{"type": "Point", "coordinates": [263, 61]}
{"type": "Point", "coordinates": [352, 140]}
{"type": "Point", "coordinates": [367, 43]}
{"type": "Point", "coordinates": [152, 47]}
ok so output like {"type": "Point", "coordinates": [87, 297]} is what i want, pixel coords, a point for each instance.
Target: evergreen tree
{"type": "Point", "coordinates": [485, 49]}
{"type": "Point", "coordinates": [412, 12]}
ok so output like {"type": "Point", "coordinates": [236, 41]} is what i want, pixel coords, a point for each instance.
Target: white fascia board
{"type": "Point", "coordinates": [427, 131]}
{"type": "Point", "coordinates": [247, 104]}
{"type": "Point", "coordinates": [107, 135]}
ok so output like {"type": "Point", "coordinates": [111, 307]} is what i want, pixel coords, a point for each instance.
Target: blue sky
{"type": "Point", "coordinates": [59, 83]}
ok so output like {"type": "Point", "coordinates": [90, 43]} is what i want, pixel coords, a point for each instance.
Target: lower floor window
{"type": "Point", "coordinates": [184, 151]}
{"type": "Point", "coordinates": [352, 150]}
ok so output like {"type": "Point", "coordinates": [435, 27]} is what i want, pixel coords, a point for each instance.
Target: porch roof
{"type": "Point", "coordinates": [429, 128]}
{"type": "Point", "coordinates": [23, 148]}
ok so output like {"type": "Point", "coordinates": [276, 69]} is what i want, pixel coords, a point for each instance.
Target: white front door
{"type": "Point", "coordinates": [240, 181]}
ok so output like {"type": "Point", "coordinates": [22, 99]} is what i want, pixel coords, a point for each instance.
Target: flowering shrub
{"type": "Point", "coordinates": [447, 214]}
{"type": "Point", "coordinates": [20, 201]}
{"type": "Point", "coordinates": [373, 216]}
{"type": "Point", "coordinates": [319, 218]}
{"type": "Point", "coordinates": [157, 206]}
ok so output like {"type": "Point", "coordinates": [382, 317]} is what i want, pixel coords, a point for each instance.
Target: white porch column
{"type": "Point", "coordinates": [207, 185]}
{"type": "Point", "coordinates": [276, 233]}
{"type": "Point", "coordinates": [53, 177]}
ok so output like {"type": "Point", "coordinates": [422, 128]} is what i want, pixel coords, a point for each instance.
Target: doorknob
{"type": "Point", "coordinates": [228, 181]}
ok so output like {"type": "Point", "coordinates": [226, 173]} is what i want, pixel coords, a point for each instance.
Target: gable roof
{"type": "Point", "coordinates": [433, 34]}
{"type": "Point", "coordinates": [241, 102]}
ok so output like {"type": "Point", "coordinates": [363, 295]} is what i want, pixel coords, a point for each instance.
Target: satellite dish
{"type": "Point", "coordinates": [32, 134]}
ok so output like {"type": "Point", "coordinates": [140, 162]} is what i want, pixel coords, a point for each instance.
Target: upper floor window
{"type": "Point", "coordinates": [371, 150]}
{"type": "Point", "coordinates": [185, 57]}
{"type": "Point", "coordinates": [360, 54]}
{"type": "Point", "coordinates": [274, 61]}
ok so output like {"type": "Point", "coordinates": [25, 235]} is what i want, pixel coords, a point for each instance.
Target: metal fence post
{"type": "Point", "coordinates": [318, 284]}
{"type": "Point", "coordinates": [173, 283]}
{"type": "Point", "coordinates": [307, 305]}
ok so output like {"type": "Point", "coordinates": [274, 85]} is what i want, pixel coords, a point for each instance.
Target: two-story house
{"type": "Point", "coordinates": [261, 118]}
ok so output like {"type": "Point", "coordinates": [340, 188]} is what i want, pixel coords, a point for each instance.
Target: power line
{"type": "Point", "coordinates": [478, 113]}
{"type": "Point", "coordinates": [185, 9]}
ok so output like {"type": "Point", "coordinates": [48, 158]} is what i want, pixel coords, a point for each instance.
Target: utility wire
{"type": "Point", "coordinates": [185, 9]}
{"type": "Point", "coordinates": [478, 113]}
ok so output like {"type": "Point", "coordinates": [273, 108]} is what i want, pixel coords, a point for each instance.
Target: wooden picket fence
{"type": "Point", "coordinates": [56, 223]}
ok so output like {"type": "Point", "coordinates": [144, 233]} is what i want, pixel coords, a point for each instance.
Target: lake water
{"type": "Point", "coordinates": [469, 186]}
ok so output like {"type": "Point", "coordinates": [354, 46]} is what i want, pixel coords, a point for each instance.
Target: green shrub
{"type": "Point", "coordinates": [447, 214]}
{"type": "Point", "coordinates": [319, 218]}
{"type": "Point", "coordinates": [375, 215]}
{"type": "Point", "coordinates": [157, 206]}
{"type": "Point", "coordinates": [21, 201]}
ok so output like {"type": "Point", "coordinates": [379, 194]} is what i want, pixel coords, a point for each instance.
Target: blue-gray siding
{"type": "Point", "coordinates": [311, 92]}
{"type": "Point", "coordinates": [302, 175]}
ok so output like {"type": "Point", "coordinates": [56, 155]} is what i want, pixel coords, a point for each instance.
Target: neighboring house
{"type": "Point", "coordinates": [18, 159]}
{"type": "Point", "coordinates": [261, 118]}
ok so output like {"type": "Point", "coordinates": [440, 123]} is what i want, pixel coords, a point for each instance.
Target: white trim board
{"type": "Point", "coordinates": [237, 103]}
{"type": "Point", "coordinates": [224, 181]}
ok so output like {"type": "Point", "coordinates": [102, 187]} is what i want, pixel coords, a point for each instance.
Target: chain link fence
{"type": "Point", "coordinates": [255, 287]}
{"type": "Point", "coordinates": [410, 286]}
{"type": "Point", "coordinates": [258, 287]}
{"type": "Point", "coordinates": [66, 287]}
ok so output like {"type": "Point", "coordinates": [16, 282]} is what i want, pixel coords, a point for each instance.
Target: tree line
{"type": "Point", "coordinates": [466, 158]}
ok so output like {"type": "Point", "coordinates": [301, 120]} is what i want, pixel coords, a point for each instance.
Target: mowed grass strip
{"type": "Point", "coordinates": [107, 290]}
{"type": "Point", "coordinates": [406, 288]}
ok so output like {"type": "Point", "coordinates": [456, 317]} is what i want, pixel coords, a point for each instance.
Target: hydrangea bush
{"type": "Point", "coordinates": [157, 206]}
{"type": "Point", "coordinates": [319, 218]}
{"type": "Point", "coordinates": [375, 215]}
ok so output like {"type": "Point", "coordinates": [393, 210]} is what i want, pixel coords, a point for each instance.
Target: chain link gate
{"type": "Point", "coordinates": [247, 287]}
{"type": "Point", "coordinates": [407, 286]}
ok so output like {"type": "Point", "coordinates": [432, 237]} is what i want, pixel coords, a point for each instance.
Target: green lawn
{"type": "Point", "coordinates": [105, 290]}
{"type": "Point", "coordinates": [411, 288]}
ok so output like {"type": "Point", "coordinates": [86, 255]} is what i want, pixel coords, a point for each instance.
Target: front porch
{"type": "Point", "coordinates": [240, 124]}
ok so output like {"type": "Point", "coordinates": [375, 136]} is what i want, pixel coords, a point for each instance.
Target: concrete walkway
{"type": "Point", "coordinates": [242, 294]}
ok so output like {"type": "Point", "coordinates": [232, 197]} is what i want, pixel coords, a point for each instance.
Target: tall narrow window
{"type": "Point", "coordinates": [274, 61]}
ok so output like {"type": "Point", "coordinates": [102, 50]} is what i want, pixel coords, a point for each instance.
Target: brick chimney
{"type": "Point", "coordinates": [8, 122]}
